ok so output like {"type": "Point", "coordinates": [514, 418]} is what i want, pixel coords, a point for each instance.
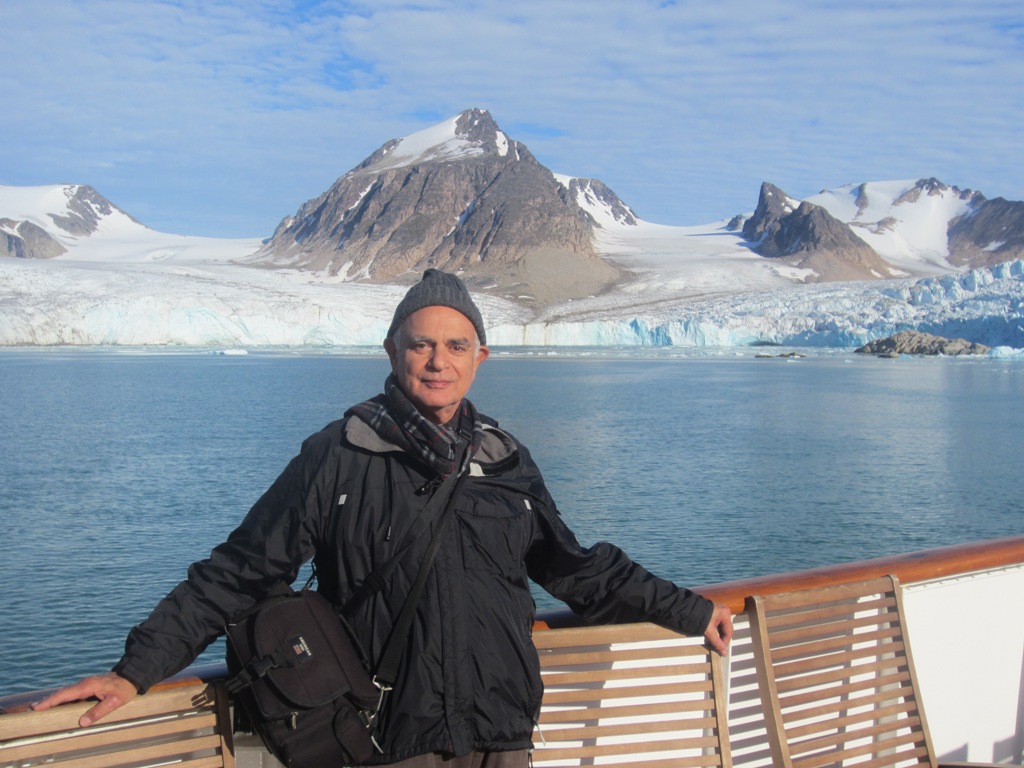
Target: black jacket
{"type": "Point", "coordinates": [470, 677]}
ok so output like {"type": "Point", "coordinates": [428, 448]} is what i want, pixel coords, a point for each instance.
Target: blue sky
{"type": "Point", "coordinates": [220, 118]}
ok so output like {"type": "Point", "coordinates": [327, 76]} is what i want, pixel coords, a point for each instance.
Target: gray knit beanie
{"type": "Point", "coordinates": [439, 289]}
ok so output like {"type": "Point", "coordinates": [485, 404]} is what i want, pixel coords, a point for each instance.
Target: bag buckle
{"type": "Point", "coordinates": [370, 716]}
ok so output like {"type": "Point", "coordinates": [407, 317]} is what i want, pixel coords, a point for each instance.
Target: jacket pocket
{"type": "Point", "coordinates": [495, 532]}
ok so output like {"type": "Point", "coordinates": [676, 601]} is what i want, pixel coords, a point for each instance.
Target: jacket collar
{"type": "Point", "coordinates": [497, 445]}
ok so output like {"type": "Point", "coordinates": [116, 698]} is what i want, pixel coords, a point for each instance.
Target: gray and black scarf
{"type": "Point", "coordinates": [395, 419]}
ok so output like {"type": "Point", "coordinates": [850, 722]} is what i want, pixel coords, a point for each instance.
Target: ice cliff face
{"type": "Point", "coordinates": [209, 305]}
{"type": "Point", "coordinates": [984, 305]}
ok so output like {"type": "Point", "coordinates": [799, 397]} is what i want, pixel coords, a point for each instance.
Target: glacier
{"type": "Point", "coordinates": [47, 303]}
{"type": "Point", "coordinates": [127, 285]}
{"type": "Point", "coordinates": [985, 305]}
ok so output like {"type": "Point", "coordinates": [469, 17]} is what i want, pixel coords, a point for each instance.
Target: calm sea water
{"type": "Point", "coordinates": [119, 469]}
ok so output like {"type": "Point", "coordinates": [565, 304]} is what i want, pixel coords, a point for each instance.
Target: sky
{"type": "Point", "coordinates": [222, 117]}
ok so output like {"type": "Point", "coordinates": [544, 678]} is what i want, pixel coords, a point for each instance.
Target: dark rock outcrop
{"type": "Point", "coordinates": [807, 236]}
{"type": "Point", "coordinates": [736, 223]}
{"type": "Point", "coordinates": [80, 216]}
{"type": "Point", "coordinates": [773, 205]}
{"type": "Point", "coordinates": [599, 194]}
{"type": "Point", "coordinates": [934, 188]}
{"type": "Point", "coordinates": [25, 240]}
{"type": "Point", "coordinates": [918, 343]}
{"type": "Point", "coordinates": [86, 208]}
{"type": "Point", "coordinates": [990, 234]}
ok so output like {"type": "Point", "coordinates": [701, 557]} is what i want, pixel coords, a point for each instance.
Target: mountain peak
{"type": "Point", "coordinates": [469, 134]}
{"type": "Point", "coordinates": [772, 204]}
{"type": "Point", "coordinates": [461, 196]}
{"type": "Point", "coordinates": [932, 187]}
{"type": "Point", "coordinates": [40, 222]}
{"type": "Point", "coordinates": [808, 237]}
{"type": "Point", "coordinates": [86, 210]}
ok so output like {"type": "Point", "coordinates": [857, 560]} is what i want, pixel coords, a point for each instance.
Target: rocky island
{"type": "Point", "coordinates": [918, 343]}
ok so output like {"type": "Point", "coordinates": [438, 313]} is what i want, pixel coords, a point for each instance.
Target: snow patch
{"type": "Point", "coordinates": [439, 142]}
{"type": "Point", "coordinates": [909, 235]}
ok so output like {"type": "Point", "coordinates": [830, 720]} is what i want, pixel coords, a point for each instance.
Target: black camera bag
{"type": "Point", "coordinates": [299, 672]}
{"type": "Point", "coordinates": [302, 680]}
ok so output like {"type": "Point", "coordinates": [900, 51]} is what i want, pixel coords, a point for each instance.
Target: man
{"type": "Point", "coordinates": [469, 689]}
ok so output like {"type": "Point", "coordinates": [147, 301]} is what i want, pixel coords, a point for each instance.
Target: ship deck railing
{"type": "Point", "coordinates": [964, 607]}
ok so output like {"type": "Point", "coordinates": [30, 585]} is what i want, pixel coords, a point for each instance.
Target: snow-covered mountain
{"type": "Point", "coordinates": [40, 222]}
{"type": "Point", "coordinates": [929, 225]}
{"type": "Point", "coordinates": [79, 270]}
{"type": "Point", "coordinates": [75, 223]}
{"type": "Point", "coordinates": [460, 196]}
{"type": "Point", "coordinates": [905, 222]}
{"type": "Point", "coordinates": [464, 196]}
{"type": "Point", "coordinates": [884, 229]}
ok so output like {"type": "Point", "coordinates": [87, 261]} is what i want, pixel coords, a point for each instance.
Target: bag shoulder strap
{"type": "Point", "coordinates": [380, 577]}
{"type": "Point", "coordinates": [387, 667]}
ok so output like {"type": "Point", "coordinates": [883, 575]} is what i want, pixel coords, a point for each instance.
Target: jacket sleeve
{"type": "Point", "coordinates": [601, 583]}
{"type": "Point", "coordinates": [276, 537]}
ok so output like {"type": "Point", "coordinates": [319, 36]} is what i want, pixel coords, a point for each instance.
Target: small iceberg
{"type": "Point", "coordinates": [1007, 353]}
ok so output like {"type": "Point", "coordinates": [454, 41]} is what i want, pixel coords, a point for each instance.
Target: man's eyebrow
{"type": "Point", "coordinates": [465, 340]}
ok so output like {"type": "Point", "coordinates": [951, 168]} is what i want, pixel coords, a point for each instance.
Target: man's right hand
{"type": "Point", "coordinates": [111, 689]}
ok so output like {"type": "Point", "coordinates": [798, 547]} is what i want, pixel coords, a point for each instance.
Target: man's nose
{"type": "Point", "coordinates": [439, 359]}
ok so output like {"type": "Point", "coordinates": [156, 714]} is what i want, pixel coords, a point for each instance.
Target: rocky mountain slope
{"type": "Point", "coordinates": [993, 233]}
{"type": "Point", "coordinates": [461, 196]}
{"type": "Point", "coordinates": [808, 237]}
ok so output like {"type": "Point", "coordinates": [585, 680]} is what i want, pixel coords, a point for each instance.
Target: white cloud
{"type": "Point", "coordinates": [222, 117]}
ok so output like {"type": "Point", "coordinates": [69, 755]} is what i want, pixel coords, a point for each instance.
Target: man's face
{"type": "Point", "coordinates": [435, 354]}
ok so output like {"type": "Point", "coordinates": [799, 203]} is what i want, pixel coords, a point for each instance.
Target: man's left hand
{"type": "Point", "coordinates": [719, 632]}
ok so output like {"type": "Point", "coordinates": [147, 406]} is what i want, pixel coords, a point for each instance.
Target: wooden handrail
{"type": "Point", "coordinates": [909, 568]}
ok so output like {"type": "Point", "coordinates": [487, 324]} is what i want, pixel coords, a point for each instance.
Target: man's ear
{"type": "Point", "coordinates": [392, 350]}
